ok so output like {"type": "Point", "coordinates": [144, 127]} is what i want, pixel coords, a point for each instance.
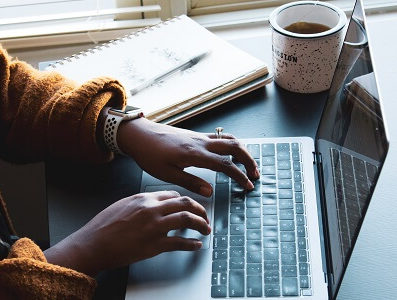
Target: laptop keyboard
{"type": "Point", "coordinates": [260, 244]}
{"type": "Point", "coordinates": [353, 180]}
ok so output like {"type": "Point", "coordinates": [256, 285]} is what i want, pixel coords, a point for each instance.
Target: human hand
{"type": "Point", "coordinates": [165, 151]}
{"type": "Point", "coordinates": [131, 229]}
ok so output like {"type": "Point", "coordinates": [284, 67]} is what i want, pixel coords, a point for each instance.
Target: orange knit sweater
{"type": "Point", "coordinates": [43, 114]}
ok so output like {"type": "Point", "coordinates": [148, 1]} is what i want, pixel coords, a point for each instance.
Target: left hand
{"type": "Point", "coordinates": [165, 151]}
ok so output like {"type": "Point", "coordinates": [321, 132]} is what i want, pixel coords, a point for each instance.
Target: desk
{"type": "Point", "coordinates": [77, 192]}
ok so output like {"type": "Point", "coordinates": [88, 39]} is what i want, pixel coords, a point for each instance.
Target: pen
{"type": "Point", "coordinates": [180, 67]}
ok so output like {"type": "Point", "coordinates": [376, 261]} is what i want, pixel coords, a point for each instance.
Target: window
{"type": "Point", "coordinates": [32, 22]}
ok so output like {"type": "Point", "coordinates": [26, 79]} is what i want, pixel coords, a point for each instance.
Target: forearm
{"type": "Point", "coordinates": [44, 114]}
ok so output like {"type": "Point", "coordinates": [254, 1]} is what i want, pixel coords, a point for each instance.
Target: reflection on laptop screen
{"type": "Point", "coordinates": [352, 142]}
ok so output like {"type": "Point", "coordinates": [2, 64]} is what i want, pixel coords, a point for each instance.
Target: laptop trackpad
{"type": "Point", "coordinates": [205, 202]}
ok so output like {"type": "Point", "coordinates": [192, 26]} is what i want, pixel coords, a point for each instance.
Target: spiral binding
{"type": "Point", "coordinates": [114, 42]}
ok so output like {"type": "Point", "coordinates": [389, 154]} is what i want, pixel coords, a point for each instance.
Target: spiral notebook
{"type": "Point", "coordinates": [225, 73]}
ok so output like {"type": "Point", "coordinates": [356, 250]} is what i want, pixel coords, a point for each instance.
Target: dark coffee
{"type": "Point", "coordinates": [306, 27]}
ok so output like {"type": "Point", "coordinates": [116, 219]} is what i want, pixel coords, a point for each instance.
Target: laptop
{"type": "Point", "coordinates": [293, 235]}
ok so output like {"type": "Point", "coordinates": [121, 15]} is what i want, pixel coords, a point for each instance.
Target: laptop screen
{"type": "Point", "coordinates": [352, 142]}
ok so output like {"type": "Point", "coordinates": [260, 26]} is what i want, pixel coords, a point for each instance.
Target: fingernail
{"type": "Point", "coordinates": [257, 174]}
{"type": "Point", "coordinates": [205, 191]}
{"type": "Point", "coordinates": [208, 230]}
{"type": "Point", "coordinates": [250, 185]}
{"type": "Point", "coordinates": [198, 245]}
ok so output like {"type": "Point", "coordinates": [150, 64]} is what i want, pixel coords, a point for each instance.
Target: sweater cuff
{"type": "Point", "coordinates": [27, 275]}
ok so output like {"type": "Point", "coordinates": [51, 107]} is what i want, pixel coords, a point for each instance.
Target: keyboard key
{"type": "Point", "coordinates": [304, 282]}
{"type": "Point", "coordinates": [287, 236]}
{"type": "Point", "coordinates": [237, 240]}
{"type": "Point", "coordinates": [303, 269]}
{"type": "Point", "coordinates": [268, 170]}
{"type": "Point", "coordinates": [302, 255]}
{"type": "Point", "coordinates": [219, 266]}
{"type": "Point", "coordinates": [285, 184]}
{"type": "Point", "coordinates": [285, 194]}
{"type": "Point", "coordinates": [296, 165]}
{"type": "Point", "coordinates": [269, 199]}
{"type": "Point", "coordinates": [270, 242]}
{"type": "Point", "coordinates": [288, 247]}
{"type": "Point", "coordinates": [269, 189]}
{"type": "Point", "coordinates": [298, 197]}
{"type": "Point", "coordinates": [270, 254]}
{"type": "Point", "coordinates": [286, 204]}
{"type": "Point", "coordinates": [272, 290]}
{"type": "Point", "coordinates": [270, 220]}
{"type": "Point", "coordinates": [221, 208]}
{"type": "Point", "coordinates": [270, 231]}
{"type": "Point", "coordinates": [235, 188]}
{"type": "Point", "coordinates": [254, 234]}
{"type": "Point", "coordinates": [237, 218]}
{"type": "Point", "coordinates": [237, 229]}
{"type": "Point", "coordinates": [288, 259]}
{"type": "Point", "coordinates": [268, 150]}
{"type": "Point", "coordinates": [290, 286]}
{"type": "Point", "coordinates": [271, 277]}
{"type": "Point", "coordinates": [301, 243]}
{"type": "Point", "coordinates": [282, 146]}
{"type": "Point", "coordinates": [255, 257]}
{"type": "Point", "coordinates": [269, 210]}
{"type": "Point", "coordinates": [268, 161]}
{"type": "Point", "coordinates": [284, 174]}
{"type": "Point", "coordinates": [283, 165]}
{"type": "Point", "coordinates": [253, 202]}
{"type": "Point", "coordinates": [237, 208]}
{"type": "Point", "coordinates": [297, 176]}
{"type": "Point", "coordinates": [218, 291]}
{"type": "Point", "coordinates": [220, 242]}
{"type": "Point", "coordinates": [295, 146]}
{"type": "Point", "coordinates": [287, 225]}
{"type": "Point", "coordinates": [253, 212]}
{"type": "Point", "coordinates": [289, 271]}
{"type": "Point", "coordinates": [237, 198]}
{"type": "Point", "coordinates": [296, 155]}
{"type": "Point", "coordinates": [254, 269]}
{"type": "Point", "coordinates": [283, 155]}
{"type": "Point", "coordinates": [298, 186]}
{"type": "Point", "coordinates": [254, 150]}
{"type": "Point", "coordinates": [301, 231]}
{"type": "Point", "coordinates": [299, 208]}
{"type": "Point", "coordinates": [254, 286]}
{"type": "Point", "coordinates": [236, 283]}
{"type": "Point", "coordinates": [219, 254]}
{"type": "Point", "coordinates": [268, 179]}
{"type": "Point", "coordinates": [236, 263]}
{"type": "Point", "coordinates": [286, 214]}
{"type": "Point", "coordinates": [237, 252]}
{"type": "Point", "coordinates": [254, 245]}
{"type": "Point", "coordinates": [300, 220]}
{"type": "Point", "coordinates": [271, 266]}
{"type": "Point", "coordinates": [253, 223]}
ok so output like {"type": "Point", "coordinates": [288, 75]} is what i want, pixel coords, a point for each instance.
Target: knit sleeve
{"type": "Point", "coordinates": [43, 114]}
{"type": "Point", "coordinates": [25, 274]}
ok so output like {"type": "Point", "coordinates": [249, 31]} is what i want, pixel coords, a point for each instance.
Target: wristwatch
{"type": "Point", "coordinates": [113, 120]}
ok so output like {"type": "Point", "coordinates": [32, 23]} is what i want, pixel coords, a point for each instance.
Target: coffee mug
{"type": "Point", "coordinates": [306, 40]}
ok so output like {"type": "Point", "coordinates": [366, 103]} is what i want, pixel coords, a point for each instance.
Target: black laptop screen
{"type": "Point", "coordinates": [352, 141]}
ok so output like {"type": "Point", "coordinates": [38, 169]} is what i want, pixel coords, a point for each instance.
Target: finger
{"type": "Point", "coordinates": [164, 195]}
{"type": "Point", "coordinates": [188, 181]}
{"type": "Point", "coordinates": [176, 243]}
{"type": "Point", "coordinates": [183, 203]}
{"type": "Point", "coordinates": [238, 151]}
{"type": "Point", "coordinates": [224, 164]}
{"type": "Point", "coordinates": [184, 220]}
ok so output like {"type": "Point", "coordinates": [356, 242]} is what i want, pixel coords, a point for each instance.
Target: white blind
{"type": "Point", "coordinates": [34, 20]}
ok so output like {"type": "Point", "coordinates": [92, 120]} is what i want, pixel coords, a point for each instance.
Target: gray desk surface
{"type": "Point", "coordinates": [77, 192]}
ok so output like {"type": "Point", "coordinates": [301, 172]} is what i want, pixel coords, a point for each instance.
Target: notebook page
{"type": "Point", "coordinates": [151, 52]}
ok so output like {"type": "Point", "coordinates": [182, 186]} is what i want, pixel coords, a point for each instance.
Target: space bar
{"type": "Point", "coordinates": [221, 209]}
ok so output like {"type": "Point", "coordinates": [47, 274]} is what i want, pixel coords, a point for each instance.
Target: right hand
{"type": "Point", "coordinates": [131, 229]}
